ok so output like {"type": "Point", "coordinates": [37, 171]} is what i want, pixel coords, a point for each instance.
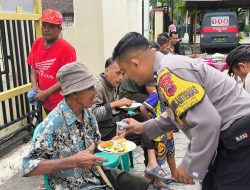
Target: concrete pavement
{"type": "Point", "coordinates": [181, 143]}
{"type": "Point", "coordinates": [32, 183]}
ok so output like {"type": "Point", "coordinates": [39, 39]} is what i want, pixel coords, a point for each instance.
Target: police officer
{"type": "Point", "coordinates": [207, 105]}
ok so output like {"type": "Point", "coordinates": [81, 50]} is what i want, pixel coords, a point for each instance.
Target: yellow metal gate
{"type": "Point", "coordinates": [18, 30]}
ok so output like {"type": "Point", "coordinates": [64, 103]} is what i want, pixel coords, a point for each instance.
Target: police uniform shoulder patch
{"type": "Point", "coordinates": [181, 95]}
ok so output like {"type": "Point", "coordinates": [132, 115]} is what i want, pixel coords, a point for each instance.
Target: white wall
{"type": "Point", "coordinates": [120, 17]}
{"type": "Point", "coordinates": [99, 25]}
{"type": "Point", "coordinates": [86, 34]}
{"type": "Point", "coordinates": [146, 19]}
{"type": "Point", "coordinates": [10, 5]}
{"type": "Point", "coordinates": [158, 23]}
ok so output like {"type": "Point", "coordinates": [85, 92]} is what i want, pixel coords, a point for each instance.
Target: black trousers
{"type": "Point", "coordinates": [122, 180]}
{"type": "Point", "coordinates": [230, 171]}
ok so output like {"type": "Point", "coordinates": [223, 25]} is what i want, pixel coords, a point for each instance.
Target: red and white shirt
{"type": "Point", "coordinates": [47, 62]}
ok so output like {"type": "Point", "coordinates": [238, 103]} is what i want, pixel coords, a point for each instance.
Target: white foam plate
{"type": "Point", "coordinates": [133, 106]}
{"type": "Point", "coordinates": [130, 146]}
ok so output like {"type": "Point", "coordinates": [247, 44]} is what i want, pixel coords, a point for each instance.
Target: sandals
{"type": "Point", "coordinates": [166, 186]}
{"type": "Point", "coordinates": [170, 180]}
{"type": "Point", "coordinates": [160, 187]}
{"type": "Point", "coordinates": [154, 172]}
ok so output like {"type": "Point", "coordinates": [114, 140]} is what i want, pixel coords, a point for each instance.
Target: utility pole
{"type": "Point", "coordinates": [143, 17]}
{"type": "Point", "coordinates": [172, 9]}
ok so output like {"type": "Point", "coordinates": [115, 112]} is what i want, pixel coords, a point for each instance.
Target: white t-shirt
{"type": "Point", "coordinates": [247, 83]}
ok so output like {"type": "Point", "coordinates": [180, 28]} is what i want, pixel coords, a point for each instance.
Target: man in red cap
{"type": "Point", "coordinates": [48, 54]}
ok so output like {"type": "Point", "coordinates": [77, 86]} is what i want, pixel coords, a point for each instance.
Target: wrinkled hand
{"type": "Point", "coordinates": [85, 159]}
{"type": "Point", "coordinates": [118, 136]}
{"type": "Point", "coordinates": [182, 175]}
{"type": "Point", "coordinates": [133, 126]}
{"type": "Point", "coordinates": [42, 95]}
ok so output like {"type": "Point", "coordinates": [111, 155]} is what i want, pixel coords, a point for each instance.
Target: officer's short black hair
{"type": "Point", "coordinates": [240, 54]}
{"type": "Point", "coordinates": [108, 62]}
{"type": "Point", "coordinates": [131, 42]}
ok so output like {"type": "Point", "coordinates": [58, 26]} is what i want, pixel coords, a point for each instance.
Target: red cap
{"type": "Point", "coordinates": [51, 16]}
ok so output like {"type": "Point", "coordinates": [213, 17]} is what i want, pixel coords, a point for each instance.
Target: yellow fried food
{"type": "Point", "coordinates": [105, 144]}
{"type": "Point", "coordinates": [120, 140]}
{"type": "Point", "coordinates": [117, 147]}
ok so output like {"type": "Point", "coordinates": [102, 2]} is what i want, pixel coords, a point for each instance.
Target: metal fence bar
{"type": "Point", "coordinates": [20, 119]}
{"type": "Point", "coordinates": [22, 65]}
{"type": "Point", "coordinates": [20, 16]}
{"type": "Point", "coordinates": [17, 34]}
{"type": "Point", "coordinates": [1, 80]}
{"type": "Point", "coordinates": [16, 61]}
{"type": "Point", "coordinates": [11, 49]}
{"type": "Point", "coordinates": [6, 64]}
{"type": "Point", "coordinates": [27, 48]}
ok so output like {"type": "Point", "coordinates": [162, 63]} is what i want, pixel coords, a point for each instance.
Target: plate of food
{"type": "Point", "coordinates": [118, 146]}
{"type": "Point", "coordinates": [133, 106]}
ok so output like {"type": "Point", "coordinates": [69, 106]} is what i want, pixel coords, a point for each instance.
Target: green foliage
{"type": "Point", "coordinates": [180, 6]}
{"type": "Point", "coordinates": [153, 3]}
{"type": "Point", "coordinates": [180, 10]}
{"type": "Point", "coordinates": [247, 28]}
{"type": "Point", "coordinates": [241, 36]}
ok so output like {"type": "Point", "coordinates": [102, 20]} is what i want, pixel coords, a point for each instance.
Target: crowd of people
{"type": "Point", "coordinates": [176, 92]}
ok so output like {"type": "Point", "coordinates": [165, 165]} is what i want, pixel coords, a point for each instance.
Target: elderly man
{"type": "Point", "coordinates": [64, 146]}
{"type": "Point", "coordinates": [107, 104]}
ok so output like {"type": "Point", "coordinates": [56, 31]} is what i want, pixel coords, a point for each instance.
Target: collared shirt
{"type": "Point", "coordinates": [105, 94]}
{"type": "Point", "coordinates": [247, 83]}
{"type": "Point", "coordinates": [62, 135]}
{"type": "Point", "coordinates": [105, 115]}
{"type": "Point", "coordinates": [224, 102]}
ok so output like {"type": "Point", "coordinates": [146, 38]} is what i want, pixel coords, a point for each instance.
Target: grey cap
{"type": "Point", "coordinates": [75, 77]}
